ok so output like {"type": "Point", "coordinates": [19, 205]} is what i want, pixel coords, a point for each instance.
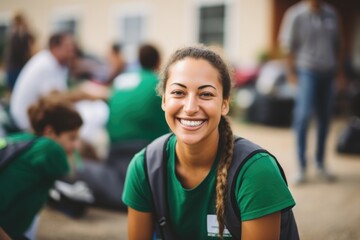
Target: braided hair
{"type": "Point", "coordinates": [226, 134]}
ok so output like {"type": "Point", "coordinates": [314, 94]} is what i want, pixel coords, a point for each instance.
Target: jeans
{"type": "Point", "coordinates": [315, 95]}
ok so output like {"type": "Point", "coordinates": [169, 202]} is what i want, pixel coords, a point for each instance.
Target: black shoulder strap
{"type": "Point", "coordinates": [155, 166]}
{"type": "Point", "coordinates": [13, 149]}
{"type": "Point", "coordinates": [243, 151]}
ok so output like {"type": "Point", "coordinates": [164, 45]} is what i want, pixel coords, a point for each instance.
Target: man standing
{"type": "Point", "coordinates": [18, 49]}
{"type": "Point", "coordinates": [310, 35]}
{"type": "Point", "coordinates": [47, 71]}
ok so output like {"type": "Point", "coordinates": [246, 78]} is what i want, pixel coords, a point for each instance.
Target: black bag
{"type": "Point", "coordinates": [10, 150]}
{"type": "Point", "coordinates": [72, 199]}
{"type": "Point", "coordinates": [271, 111]}
{"type": "Point", "coordinates": [349, 141]}
{"type": "Point", "coordinates": [106, 180]}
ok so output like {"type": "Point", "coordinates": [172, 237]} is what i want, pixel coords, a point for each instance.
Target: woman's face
{"type": "Point", "coordinates": [193, 100]}
{"type": "Point", "coordinates": [68, 140]}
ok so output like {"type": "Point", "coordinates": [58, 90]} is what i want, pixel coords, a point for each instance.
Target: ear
{"type": "Point", "coordinates": [225, 106]}
{"type": "Point", "coordinates": [163, 105]}
{"type": "Point", "coordinates": [49, 131]}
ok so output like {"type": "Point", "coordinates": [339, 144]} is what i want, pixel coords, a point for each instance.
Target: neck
{"type": "Point", "coordinates": [314, 5]}
{"type": "Point", "coordinates": [56, 57]}
{"type": "Point", "coordinates": [200, 155]}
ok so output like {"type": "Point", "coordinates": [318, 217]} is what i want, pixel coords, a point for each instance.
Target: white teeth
{"type": "Point", "coordinates": [191, 123]}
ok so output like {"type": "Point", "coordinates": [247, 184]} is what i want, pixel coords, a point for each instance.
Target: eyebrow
{"type": "Point", "coordinates": [201, 87]}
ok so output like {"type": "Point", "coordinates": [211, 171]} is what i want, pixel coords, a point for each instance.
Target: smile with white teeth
{"type": "Point", "coordinates": [190, 123]}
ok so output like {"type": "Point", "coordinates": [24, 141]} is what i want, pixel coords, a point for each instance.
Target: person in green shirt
{"type": "Point", "coordinates": [135, 119]}
{"type": "Point", "coordinates": [26, 180]}
{"type": "Point", "coordinates": [134, 107]}
{"type": "Point", "coordinates": [195, 88]}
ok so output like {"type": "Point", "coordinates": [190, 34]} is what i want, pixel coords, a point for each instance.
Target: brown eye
{"type": "Point", "coordinates": [177, 93]}
{"type": "Point", "coordinates": [206, 94]}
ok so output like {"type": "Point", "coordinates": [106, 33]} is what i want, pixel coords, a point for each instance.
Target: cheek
{"type": "Point", "coordinates": [171, 105]}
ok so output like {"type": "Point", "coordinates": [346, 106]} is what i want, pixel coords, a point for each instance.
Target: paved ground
{"type": "Point", "coordinates": [323, 211]}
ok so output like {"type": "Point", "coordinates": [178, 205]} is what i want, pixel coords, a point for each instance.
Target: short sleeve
{"type": "Point", "coordinates": [55, 164]}
{"type": "Point", "coordinates": [260, 188]}
{"type": "Point", "coordinates": [137, 194]}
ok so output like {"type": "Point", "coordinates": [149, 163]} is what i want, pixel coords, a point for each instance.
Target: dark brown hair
{"type": "Point", "coordinates": [57, 38]}
{"type": "Point", "coordinates": [226, 135]}
{"type": "Point", "coordinates": [149, 57]}
{"type": "Point", "coordinates": [56, 112]}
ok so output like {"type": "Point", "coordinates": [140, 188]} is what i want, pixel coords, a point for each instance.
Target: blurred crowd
{"type": "Point", "coordinates": [98, 112]}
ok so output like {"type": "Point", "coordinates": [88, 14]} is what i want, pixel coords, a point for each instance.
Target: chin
{"type": "Point", "coordinates": [189, 139]}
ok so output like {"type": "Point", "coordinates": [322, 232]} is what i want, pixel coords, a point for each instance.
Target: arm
{"type": "Point", "coordinates": [291, 69]}
{"type": "Point", "coordinates": [140, 225]}
{"type": "Point", "coordinates": [340, 74]}
{"type": "Point", "coordinates": [267, 227]}
{"type": "Point", "coordinates": [288, 41]}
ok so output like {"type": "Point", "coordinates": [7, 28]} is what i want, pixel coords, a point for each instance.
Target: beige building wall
{"type": "Point", "coordinates": [169, 23]}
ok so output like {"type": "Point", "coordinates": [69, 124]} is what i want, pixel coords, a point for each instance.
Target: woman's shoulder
{"type": "Point", "coordinates": [137, 162]}
{"type": "Point", "coordinates": [48, 146]}
{"type": "Point", "coordinates": [260, 160]}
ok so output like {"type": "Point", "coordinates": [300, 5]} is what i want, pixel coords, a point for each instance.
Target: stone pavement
{"type": "Point", "coordinates": [323, 211]}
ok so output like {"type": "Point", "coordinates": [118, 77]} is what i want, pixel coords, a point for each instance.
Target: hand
{"type": "Point", "coordinates": [292, 79]}
{"type": "Point", "coordinates": [340, 83]}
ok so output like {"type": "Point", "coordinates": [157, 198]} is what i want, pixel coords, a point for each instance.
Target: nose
{"type": "Point", "coordinates": [191, 105]}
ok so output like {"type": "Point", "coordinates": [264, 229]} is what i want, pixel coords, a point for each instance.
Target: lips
{"type": "Point", "coordinates": [191, 123]}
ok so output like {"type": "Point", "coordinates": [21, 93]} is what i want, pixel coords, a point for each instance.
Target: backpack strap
{"type": "Point", "coordinates": [11, 150]}
{"type": "Point", "coordinates": [243, 151]}
{"type": "Point", "coordinates": [155, 168]}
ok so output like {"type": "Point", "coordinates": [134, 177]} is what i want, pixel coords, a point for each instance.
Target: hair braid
{"type": "Point", "coordinates": [227, 143]}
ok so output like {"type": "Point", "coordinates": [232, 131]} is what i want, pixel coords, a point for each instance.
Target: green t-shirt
{"type": "Point", "coordinates": [26, 180]}
{"type": "Point", "coordinates": [135, 108]}
{"type": "Point", "coordinates": [260, 190]}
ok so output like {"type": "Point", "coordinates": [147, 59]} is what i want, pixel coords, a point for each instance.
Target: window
{"type": "Point", "coordinates": [68, 25]}
{"type": "Point", "coordinates": [132, 31]}
{"type": "Point", "coordinates": [212, 25]}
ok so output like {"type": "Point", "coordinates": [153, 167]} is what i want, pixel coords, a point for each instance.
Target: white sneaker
{"type": "Point", "coordinates": [300, 178]}
{"type": "Point", "coordinates": [323, 175]}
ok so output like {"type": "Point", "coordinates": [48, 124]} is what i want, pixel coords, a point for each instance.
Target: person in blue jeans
{"type": "Point", "coordinates": [310, 35]}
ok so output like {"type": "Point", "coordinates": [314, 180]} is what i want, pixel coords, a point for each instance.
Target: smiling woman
{"type": "Point", "coordinates": [195, 88]}
{"type": "Point", "coordinates": [193, 103]}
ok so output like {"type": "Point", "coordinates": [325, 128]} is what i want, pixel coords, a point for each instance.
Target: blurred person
{"type": "Point", "coordinates": [135, 119]}
{"type": "Point", "coordinates": [18, 48]}
{"type": "Point", "coordinates": [45, 72]}
{"type": "Point", "coordinates": [98, 70]}
{"type": "Point", "coordinates": [311, 37]}
{"type": "Point", "coordinates": [134, 104]}
{"type": "Point", "coordinates": [26, 180]}
{"type": "Point", "coordinates": [115, 61]}
{"type": "Point", "coordinates": [48, 71]}
{"type": "Point", "coordinates": [195, 87]}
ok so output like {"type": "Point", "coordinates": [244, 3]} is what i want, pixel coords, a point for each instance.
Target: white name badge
{"type": "Point", "coordinates": [213, 227]}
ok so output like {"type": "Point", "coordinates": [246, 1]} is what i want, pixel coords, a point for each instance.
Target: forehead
{"type": "Point", "coordinates": [194, 70]}
{"type": "Point", "coordinates": [67, 40]}
{"type": "Point", "coordinates": [69, 133]}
